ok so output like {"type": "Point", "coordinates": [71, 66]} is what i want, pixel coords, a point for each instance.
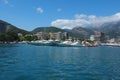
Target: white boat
{"type": "Point", "coordinates": [65, 44]}
{"type": "Point", "coordinates": [38, 42]}
{"type": "Point", "coordinates": [50, 43]}
{"type": "Point", "coordinates": [87, 44]}
{"type": "Point", "coordinates": [76, 44]}
{"type": "Point", "coordinates": [22, 42]}
{"type": "Point", "coordinates": [112, 44]}
{"type": "Point", "coordinates": [43, 43]}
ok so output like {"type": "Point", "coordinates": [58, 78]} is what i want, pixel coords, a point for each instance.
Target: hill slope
{"type": "Point", "coordinates": [47, 30]}
{"type": "Point", "coordinates": [84, 32]}
{"type": "Point", "coordinates": [4, 26]}
{"type": "Point", "coordinates": [77, 32]}
{"type": "Point", "coordinates": [111, 28]}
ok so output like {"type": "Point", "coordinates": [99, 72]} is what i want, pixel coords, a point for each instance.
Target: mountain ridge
{"type": "Point", "coordinates": [5, 26]}
{"type": "Point", "coordinates": [112, 29]}
{"type": "Point", "coordinates": [47, 29]}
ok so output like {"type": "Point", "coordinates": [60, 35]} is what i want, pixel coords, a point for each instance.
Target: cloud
{"type": "Point", "coordinates": [39, 10]}
{"type": "Point", "coordinates": [8, 3]}
{"type": "Point", "coordinates": [59, 10]}
{"type": "Point", "coordinates": [84, 20]}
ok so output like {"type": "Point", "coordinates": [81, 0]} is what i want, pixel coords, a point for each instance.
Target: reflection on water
{"type": "Point", "coordinates": [28, 62]}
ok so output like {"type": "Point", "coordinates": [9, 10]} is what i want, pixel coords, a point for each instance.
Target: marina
{"type": "Point", "coordinates": [60, 43]}
{"type": "Point", "coordinates": [70, 43]}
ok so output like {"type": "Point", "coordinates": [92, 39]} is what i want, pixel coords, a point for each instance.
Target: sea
{"type": "Point", "coordinates": [31, 62]}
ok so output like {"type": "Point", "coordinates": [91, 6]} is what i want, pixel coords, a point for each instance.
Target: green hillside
{"type": "Point", "coordinates": [5, 26]}
{"type": "Point", "coordinates": [55, 29]}
{"type": "Point", "coordinates": [47, 30]}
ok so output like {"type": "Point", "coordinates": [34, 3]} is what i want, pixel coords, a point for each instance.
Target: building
{"type": "Point", "coordinates": [54, 36]}
{"type": "Point", "coordinates": [99, 36]}
{"type": "Point", "coordinates": [28, 35]}
{"type": "Point", "coordinates": [92, 37]}
{"type": "Point", "coordinates": [59, 36]}
{"type": "Point", "coordinates": [20, 34]}
{"type": "Point", "coordinates": [42, 35]}
{"type": "Point", "coordinates": [65, 35]}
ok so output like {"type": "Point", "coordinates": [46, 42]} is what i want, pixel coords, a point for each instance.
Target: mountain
{"type": "Point", "coordinates": [112, 29]}
{"type": "Point", "coordinates": [48, 29]}
{"type": "Point", "coordinates": [5, 26]}
{"type": "Point", "coordinates": [81, 31]}
{"type": "Point", "coordinates": [77, 32]}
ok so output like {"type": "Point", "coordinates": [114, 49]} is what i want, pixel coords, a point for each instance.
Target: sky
{"type": "Point", "coordinates": [30, 14]}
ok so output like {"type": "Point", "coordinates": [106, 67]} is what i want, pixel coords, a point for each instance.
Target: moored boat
{"type": "Point", "coordinates": [65, 44]}
{"type": "Point", "coordinates": [76, 44]}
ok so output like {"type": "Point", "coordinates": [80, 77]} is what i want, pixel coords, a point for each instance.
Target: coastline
{"type": "Point", "coordinates": [61, 43]}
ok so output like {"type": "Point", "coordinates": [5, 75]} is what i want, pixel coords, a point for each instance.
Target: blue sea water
{"type": "Point", "coordinates": [29, 62]}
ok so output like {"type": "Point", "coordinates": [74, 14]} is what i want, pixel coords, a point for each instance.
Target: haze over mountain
{"type": "Point", "coordinates": [85, 32]}
{"type": "Point", "coordinates": [110, 28]}
{"type": "Point", "coordinates": [84, 20]}
{"type": "Point", "coordinates": [107, 26]}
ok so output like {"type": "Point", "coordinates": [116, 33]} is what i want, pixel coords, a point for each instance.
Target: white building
{"type": "Point", "coordinates": [92, 37]}
{"type": "Point", "coordinates": [20, 34]}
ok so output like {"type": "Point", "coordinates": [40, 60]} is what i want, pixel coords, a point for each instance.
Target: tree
{"type": "Point", "coordinates": [2, 37]}
{"type": "Point", "coordinates": [31, 38]}
{"type": "Point", "coordinates": [21, 38]}
{"type": "Point", "coordinates": [11, 36]}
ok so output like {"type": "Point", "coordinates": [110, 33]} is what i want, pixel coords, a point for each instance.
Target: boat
{"type": "Point", "coordinates": [65, 44]}
{"type": "Point", "coordinates": [76, 44]}
{"type": "Point", "coordinates": [87, 44]}
{"type": "Point", "coordinates": [111, 44]}
{"type": "Point", "coordinates": [50, 43]}
{"type": "Point", "coordinates": [38, 42]}
{"type": "Point", "coordinates": [44, 43]}
{"type": "Point", "coordinates": [23, 42]}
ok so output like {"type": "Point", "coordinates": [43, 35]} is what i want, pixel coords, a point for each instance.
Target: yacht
{"type": "Point", "coordinates": [76, 44]}
{"type": "Point", "coordinates": [65, 43]}
{"type": "Point", "coordinates": [43, 43]}
{"type": "Point", "coordinates": [50, 43]}
{"type": "Point", "coordinates": [38, 42]}
{"type": "Point", "coordinates": [87, 44]}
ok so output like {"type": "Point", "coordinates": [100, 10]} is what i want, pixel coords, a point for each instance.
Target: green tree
{"type": "Point", "coordinates": [11, 36]}
{"type": "Point", "coordinates": [22, 38]}
{"type": "Point", "coordinates": [31, 38]}
{"type": "Point", "coordinates": [2, 37]}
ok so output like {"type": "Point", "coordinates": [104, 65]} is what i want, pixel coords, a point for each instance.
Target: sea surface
{"type": "Point", "coordinates": [30, 62]}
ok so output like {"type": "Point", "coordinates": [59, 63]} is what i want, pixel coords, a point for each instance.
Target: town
{"type": "Point", "coordinates": [64, 39]}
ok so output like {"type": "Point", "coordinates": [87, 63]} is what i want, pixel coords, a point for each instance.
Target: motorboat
{"type": "Point", "coordinates": [43, 43]}
{"type": "Point", "coordinates": [50, 43]}
{"type": "Point", "coordinates": [65, 44]}
{"type": "Point", "coordinates": [76, 44]}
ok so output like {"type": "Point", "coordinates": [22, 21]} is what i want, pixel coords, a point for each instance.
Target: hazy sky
{"type": "Point", "coordinates": [29, 14]}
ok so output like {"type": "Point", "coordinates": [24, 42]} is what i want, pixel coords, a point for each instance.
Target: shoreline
{"type": "Point", "coordinates": [60, 44]}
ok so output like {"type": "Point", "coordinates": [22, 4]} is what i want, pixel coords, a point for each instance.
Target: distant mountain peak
{"type": "Point", "coordinates": [112, 29]}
